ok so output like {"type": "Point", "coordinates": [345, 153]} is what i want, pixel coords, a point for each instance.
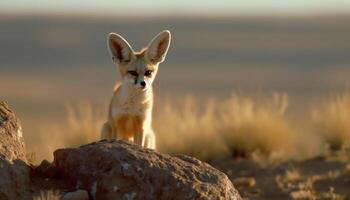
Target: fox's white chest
{"type": "Point", "coordinates": [130, 103]}
{"type": "Point", "coordinates": [129, 108]}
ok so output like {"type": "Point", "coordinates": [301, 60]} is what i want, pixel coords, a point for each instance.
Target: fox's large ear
{"type": "Point", "coordinates": [158, 47]}
{"type": "Point", "coordinates": [119, 48]}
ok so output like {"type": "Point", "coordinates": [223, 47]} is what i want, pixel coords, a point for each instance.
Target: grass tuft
{"type": "Point", "coordinates": [237, 126]}
{"type": "Point", "coordinates": [331, 121]}
{"type": "Point", "coordinates": [48, 195]}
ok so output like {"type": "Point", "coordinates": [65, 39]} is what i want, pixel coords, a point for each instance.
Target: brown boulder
{"type": "Point", "coordinates": [115, 169]}
{"type": "Point", "coordinates": [14, 173]}
{"type": "Point", "coordinates": [14, 178]}
{"type": "Point", "coordinates": [11, 139]}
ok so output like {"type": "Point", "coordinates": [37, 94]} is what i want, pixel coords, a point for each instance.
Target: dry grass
{"type": "Point", "coordinates": [183, 127]}
{"type": "Point", "coordinates": [251, 126]}
{"type": "Point", "coordinates": [31, 158]}
{"type": "Point", "coordinates": [300, 186]}
{"type": "Point", "coordinates": [48, 195]}
{"type": "Point", "coordinates": [238, 126]}
{"type": "Point", "coordinates": [84, 122]}
{"type": "Point", "coordinates": [291, 180]}
{"type": "Point", "coordinates": [82, 125]}
{"type": "Point", "coordinates": [245, 126]}
{"type": "Point", "coordinates": [332, 121]}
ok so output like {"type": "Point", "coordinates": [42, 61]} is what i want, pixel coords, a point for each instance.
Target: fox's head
{"type": "Point", "coordinates": [138, 69]}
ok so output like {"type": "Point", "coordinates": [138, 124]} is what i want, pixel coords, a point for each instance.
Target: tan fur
{"type": "Point", "coordinates": [127, 125]}
{"type": "Point", "coordinates": [130, 110]}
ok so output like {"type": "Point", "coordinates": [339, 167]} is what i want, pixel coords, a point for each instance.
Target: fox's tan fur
{"type": "Point", "coordinates": [130, 110]}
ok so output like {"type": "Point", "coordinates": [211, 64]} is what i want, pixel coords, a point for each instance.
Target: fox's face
{"type": "Point", "coordinates": [138, 69]}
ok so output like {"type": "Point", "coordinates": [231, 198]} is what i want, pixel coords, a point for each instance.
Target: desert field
{"type": "Point", "coordinates": [264, 99]}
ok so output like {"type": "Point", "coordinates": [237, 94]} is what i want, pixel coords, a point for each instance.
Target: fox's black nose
{"type": "Point", "coordinates": [143, 83]}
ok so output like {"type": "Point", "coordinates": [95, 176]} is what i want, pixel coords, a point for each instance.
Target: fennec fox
{"type": "Point", "coordinates": [130, 110]}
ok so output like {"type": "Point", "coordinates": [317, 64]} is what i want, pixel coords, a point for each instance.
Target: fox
{"type": "Point", "coordinates": [130, 109]}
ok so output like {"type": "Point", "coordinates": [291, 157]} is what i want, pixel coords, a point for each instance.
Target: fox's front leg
{"type": "Point", "coordinates": [139, 135]}
{"type": "Point", "coordinates": [150, 140]}
{"type": "Point", "coordinates": [139, 138]}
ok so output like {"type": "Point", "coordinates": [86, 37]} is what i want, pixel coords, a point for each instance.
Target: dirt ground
{"type": "Point", "coordinates": [323, 177]}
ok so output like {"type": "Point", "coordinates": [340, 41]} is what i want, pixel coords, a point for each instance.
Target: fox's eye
{"type": "Point", "coordinates": [148, 73]}
{"type": "Point", "coordinates": [134, 73]}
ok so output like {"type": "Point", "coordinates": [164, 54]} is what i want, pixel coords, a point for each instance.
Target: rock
{"type": "Point", "coordinates": [11, 140]}
{"type": "Point", "coordinates": [14, 176]}
{"type": "Point", "coordinates": [45, 169]}
{"type": "Point", "coordinates": [77, 195]}
{"type": "Point", "coordinates": [14, 173]}
{"type": "Point", "coordinates": [116, 169]}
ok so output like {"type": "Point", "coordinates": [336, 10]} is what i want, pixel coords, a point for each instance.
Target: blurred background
{"type": "Point", "coordinates": [236, 70]}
